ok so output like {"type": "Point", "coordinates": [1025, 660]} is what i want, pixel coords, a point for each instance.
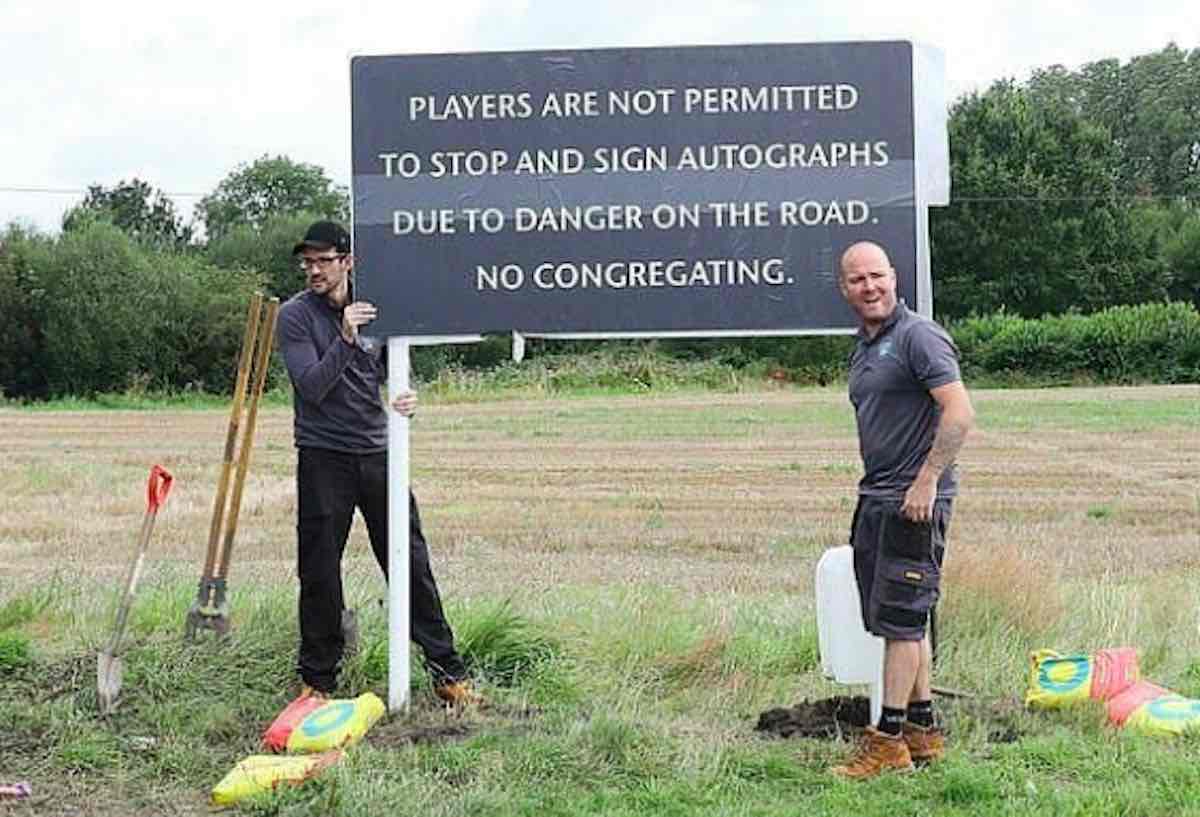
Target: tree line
{"type": "Point", "coordinates": [1073, 192]}
{"type": "Point", "coordinates": [1076, 190]}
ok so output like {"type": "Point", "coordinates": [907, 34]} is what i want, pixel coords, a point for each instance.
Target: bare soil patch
{"type": "Point", "coordinates": [843, 716]}
{"type": "Point", "coordinates": [834, 717]}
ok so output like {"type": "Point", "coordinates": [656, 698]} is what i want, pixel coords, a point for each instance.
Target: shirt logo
{"type": "Point", "coordinates": [885, 348]}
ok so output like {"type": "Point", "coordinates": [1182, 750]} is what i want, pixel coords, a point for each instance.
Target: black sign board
{"type": "Point", "coordinates": [657, 190]}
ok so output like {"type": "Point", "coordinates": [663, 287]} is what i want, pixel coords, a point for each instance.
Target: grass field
{"type": "Point", "coordinates": [632, 577]}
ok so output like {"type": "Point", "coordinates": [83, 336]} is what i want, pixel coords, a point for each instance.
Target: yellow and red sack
{"type": "Point", "coordinates": [1060, 680]}
{"type": "Point", "coordinates": [1111, 676]}
{"type": "Point", "coordinates": [1153, 710]}
{"type": "Point", "coordinates": [1113, 672]}
{"type": "Point", "coordinates": [311, 724]}
{"type": "Point", "coordinates": [258, 774]}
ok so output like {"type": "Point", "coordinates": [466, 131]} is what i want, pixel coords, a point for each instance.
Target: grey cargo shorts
{"type": "Point", "coordinates": [898, 566]}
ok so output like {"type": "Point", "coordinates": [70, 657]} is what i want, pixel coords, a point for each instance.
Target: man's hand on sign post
{"type": "Point", "coordinates": [355, 315]}
{"type": "Point", "coordinates": [405, 403]}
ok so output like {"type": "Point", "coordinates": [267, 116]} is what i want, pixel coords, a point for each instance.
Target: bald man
{"type": "Point", "coordinates": [913, 414]}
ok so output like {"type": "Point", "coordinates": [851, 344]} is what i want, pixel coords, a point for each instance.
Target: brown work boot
{"type": "Point", "coordinates": [877, 753]}
{"type": "Point", "coordinates": [307, 691]}
{"type": "Point", "coordinates": [458, 694]}
{"type": "Point", "coordinates": [925, 743]}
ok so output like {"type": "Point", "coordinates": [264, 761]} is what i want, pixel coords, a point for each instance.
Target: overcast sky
{"type": "Point", "coordinates": [181, 94]}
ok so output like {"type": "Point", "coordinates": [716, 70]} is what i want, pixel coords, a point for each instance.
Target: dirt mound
{"type": "Point", "coordinates": [827, 718]}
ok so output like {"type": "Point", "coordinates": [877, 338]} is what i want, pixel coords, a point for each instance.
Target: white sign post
{"type": "Point", "coordinates": [399, 543]}
{"type": "Point", "coordinates": [398, 526]}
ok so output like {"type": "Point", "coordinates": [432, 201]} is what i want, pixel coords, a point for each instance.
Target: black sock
{"type": "Point", "coordinates": [891, 721]}
{"type": "Point", "coordinates": [921, 713]}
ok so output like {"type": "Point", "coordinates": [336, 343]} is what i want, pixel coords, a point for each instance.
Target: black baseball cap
{"type": "Point", "coordinates": [324, 235]}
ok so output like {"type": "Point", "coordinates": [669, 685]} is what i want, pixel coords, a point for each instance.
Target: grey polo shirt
{"type": "Point", "coordinates": [335, 385]}
{"type": "Point", "coordinates": [891, 375]}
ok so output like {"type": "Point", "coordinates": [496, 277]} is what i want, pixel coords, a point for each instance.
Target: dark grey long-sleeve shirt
{"type": "Point", "coordinates": [336, 386]}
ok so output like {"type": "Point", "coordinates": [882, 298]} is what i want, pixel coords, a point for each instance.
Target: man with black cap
{"type": "Point", "coordinates": [341, 433]}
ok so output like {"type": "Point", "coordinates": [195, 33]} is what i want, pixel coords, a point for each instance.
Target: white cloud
{"type": "Point", "coordinates": [180, 94]}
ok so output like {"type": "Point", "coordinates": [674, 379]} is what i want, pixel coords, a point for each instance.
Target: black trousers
{"type": "Point", "coordinates": [329, 486]}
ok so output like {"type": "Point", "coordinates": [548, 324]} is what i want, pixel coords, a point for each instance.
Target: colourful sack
{"type": "Point", "coordinates": [277, 734]}
{"type": "Point", "coordinates": [1121, 707]}
{"type": "Point", "coordinates": [1113, 672]}
{"type": "Point", "coordinates": [1169, 714]}
{"type": "Point", "coordinates": [1059, 680]}
{"type": "Point", "coordinates": [311, 724]}
{"type": "Point", "coordinates": [1152, 710]}
{"type": "Point", "coordinates": [262, 773]}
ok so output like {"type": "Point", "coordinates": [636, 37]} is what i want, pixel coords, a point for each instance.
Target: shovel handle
{"type": "Point", "coordinates": [157, 488]}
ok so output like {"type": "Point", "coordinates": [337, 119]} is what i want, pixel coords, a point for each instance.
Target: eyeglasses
{"type": "Point", "coordinates": [319, 261]}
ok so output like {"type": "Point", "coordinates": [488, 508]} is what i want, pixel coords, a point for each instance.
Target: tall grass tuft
{"type": "Point", "coordinates": [1000, 587]}
{"type": "Point", "coordinates": [500, 645]}
{"type": "Point", "coordinates": [14, 652]}
{"type": "Point", "coordinates": [624, 369]}
{"type": "Point", "coordinates": [704, 663]}
{"type": "Point", "coordinates": [23, 609]}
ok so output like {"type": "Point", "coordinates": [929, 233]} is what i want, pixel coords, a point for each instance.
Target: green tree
{"type": "Point", "coordinates": [24, 256]}
{"type": "Point", "coordinates": [1150, 107]}
{"type": "Point", "coordinates": [1034, 225]}
{"type": "Point", "coordinates": [143, 213]}
{"type": "Point", "coordinates": [271, 186]}
{"type": "Point", "coordinates": [112, 314]}
{"type": "Point", "coordinates": [267, 249]}
{"type": "Point", "coordinates": [1182, 253]}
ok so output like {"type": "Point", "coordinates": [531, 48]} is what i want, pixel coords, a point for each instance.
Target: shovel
{"type": "Point", "coordinates": [108, 664]}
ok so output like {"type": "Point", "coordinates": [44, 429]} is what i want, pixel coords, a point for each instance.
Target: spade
{"type": "Point", "coordinates": [108, 662]}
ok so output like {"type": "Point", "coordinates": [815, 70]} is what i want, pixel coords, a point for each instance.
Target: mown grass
{"type": "Point", "coordinates": [631, 580]}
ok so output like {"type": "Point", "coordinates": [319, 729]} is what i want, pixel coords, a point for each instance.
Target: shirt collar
{"type": "Point", "coordinates": [899, 312]}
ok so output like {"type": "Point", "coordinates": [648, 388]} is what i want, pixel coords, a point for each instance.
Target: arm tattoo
{"type": "Point", "coordinates": [946, 444]}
